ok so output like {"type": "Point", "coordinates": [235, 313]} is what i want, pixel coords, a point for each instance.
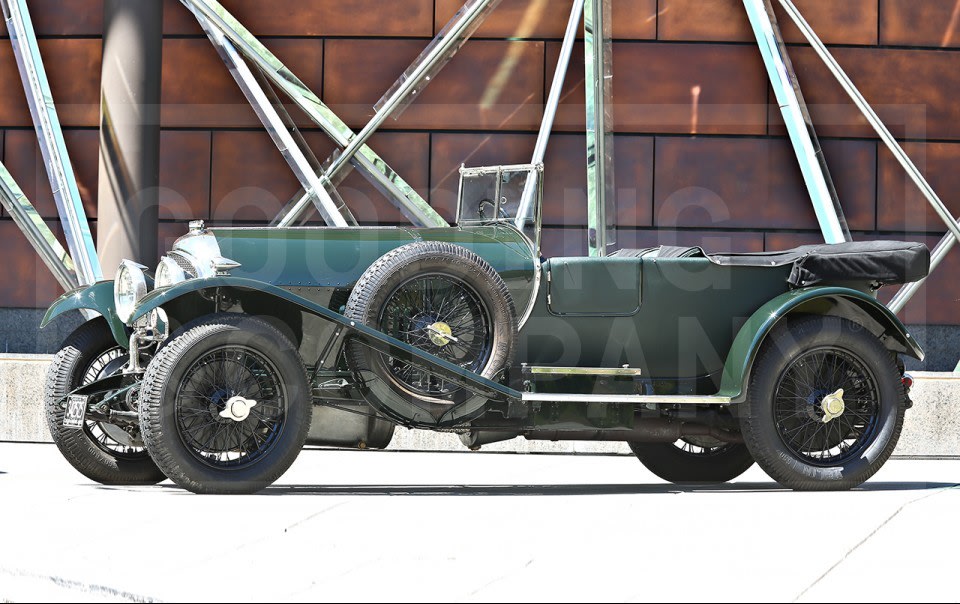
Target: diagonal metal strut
{"type": "Point", "coordinates": [278, 125]}
{"type": "Point", "coordinates": [796, 116]}
{"type": "Point", "coordinates": [42, 239]}
{"type": "Point", "coordinates": [63, 182]}
{"type": "Point", "coordinates": [953, 225]}
{"type": "Point", "coordinates": [371, 165]}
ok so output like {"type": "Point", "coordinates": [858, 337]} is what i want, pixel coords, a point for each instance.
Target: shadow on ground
{"type": "Point", "coordinates": [565, 489]}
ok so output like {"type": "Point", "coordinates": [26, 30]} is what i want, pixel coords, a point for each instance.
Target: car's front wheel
{"type": "Point", "coordinates": [103, 452]}
{"type": "Point", "coordinates": [225, 406]}
{"type": "Point", "coordinates": [694, 460]}
{"type": "Point", "coordinates": [825, 405]}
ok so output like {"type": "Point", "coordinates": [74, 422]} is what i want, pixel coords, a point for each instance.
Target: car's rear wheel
{"type": "Point", "coordinates": [443, 299]}
{"type": "Point", "coordinates": [694, 460]}
{"type": "Point", "coordinates": [825, 405]}
{"type": "Point", "coordinates": [102, 452]}
{"type": "Point", "coordinates": [225, 406]}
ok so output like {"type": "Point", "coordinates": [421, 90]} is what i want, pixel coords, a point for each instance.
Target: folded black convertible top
{"type": "Point", "coordinates": [884, 262]}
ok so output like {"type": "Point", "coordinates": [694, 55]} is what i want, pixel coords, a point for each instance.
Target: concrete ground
{"type": "Point", "coordinates": [397, 526]}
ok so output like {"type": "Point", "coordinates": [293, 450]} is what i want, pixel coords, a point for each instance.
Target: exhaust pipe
{"type": "Point", "coordinates": [657, 430]}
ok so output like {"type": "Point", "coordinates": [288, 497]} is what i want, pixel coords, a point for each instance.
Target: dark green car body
{"type": "Point", "coordinates": [690, 326]}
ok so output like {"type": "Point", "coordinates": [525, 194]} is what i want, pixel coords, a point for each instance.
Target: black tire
{"type": "Point", "coordinates": [448, 270]}
{"type": "Point", "coordinates": [698, 463]}
{"type": "Point", "coordinates": [783, 421]}
{"type": "Point", "coordinates": [189, 384]}
{"type": "Point", "coordinates": [91, 450]}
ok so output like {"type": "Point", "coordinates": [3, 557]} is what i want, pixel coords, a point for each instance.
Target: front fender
{"type": "Point", "coordinates": [480, 388]}
{"type": "Point", "coordinates": [159, 297]}
{"type": "Point", "coordinates": [97, 297]}
{"type": "Point", "coordinates": [836, 301]}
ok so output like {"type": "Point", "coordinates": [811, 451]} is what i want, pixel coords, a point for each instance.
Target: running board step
{"type": "Point", "coordinates": [598, 371]}
{"type": "Point", "coordinates": [641, 399]}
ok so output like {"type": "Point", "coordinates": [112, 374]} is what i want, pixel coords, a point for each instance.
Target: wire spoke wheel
{"type": "Point", "coordinates": [211, 386]}
{"type": "Point", "coordinates": [225, 406]}
{"type": "Point", "coordinates": [104, 452]}
{"type": "Point", "coordinates": [442, 315]}
{"type": "Point", "coordinates": [108, 437]}
{"type": "Point", "coordinates": [441, 299]}
{"type": "Point", "coordinates": [806, 428]}
{"type": "Point", "coordinates": [701, 446]}
{"type": "Point", "coordinates": [694, 459]}
{"type": "Point", "coordinates": [825, 404]}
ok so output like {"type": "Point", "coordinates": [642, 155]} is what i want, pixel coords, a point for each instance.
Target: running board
{"type": "Point", "coordinates": [596, 371]}
{"type": "Point", "coordinates": [640, 399]}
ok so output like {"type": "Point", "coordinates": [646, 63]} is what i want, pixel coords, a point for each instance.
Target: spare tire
{"type": "Point", "coordinates": [443, 299]}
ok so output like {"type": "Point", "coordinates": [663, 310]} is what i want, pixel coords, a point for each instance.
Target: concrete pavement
{"type": "Point", "coordinates": [398, 526]}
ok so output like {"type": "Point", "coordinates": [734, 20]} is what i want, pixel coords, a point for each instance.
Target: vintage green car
{"type": "Point", "coordinates": [247, 343]}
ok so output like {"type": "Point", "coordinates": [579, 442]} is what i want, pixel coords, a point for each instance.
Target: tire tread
{"type": "Point", "coordinates": [159, 370]}
{"type": "Point", "coordinates": [753, 428]}
{"type": "Point", "coordinates": [90, 339]}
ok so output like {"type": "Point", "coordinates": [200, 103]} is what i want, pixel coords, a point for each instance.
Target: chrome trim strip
{"type": "Point", "coordinates": [63, 182]}
{"type": "Point", "coordinates": [480, 170]}
{"type": "Point", "coordinates": [546, 397]}
{"type": "Point", "coordinates": [535, 291]}
{"type": "Point", "coordinates": [615, 371]}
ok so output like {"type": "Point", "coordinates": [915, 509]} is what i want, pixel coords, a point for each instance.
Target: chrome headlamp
{"type": "Point", "coordinates": [129, 287]}
{"type": "Point", "coordinates": [169, 273]}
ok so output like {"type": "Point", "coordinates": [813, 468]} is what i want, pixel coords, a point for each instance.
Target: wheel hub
{"type": "Point", "coordinates": [238, 408]}
{"type": "Point", "coordinates": [440, 333]}
{"type": "Point", "coordinates": [833, 406]}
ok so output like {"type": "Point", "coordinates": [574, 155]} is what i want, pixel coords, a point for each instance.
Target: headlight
{"type": "Point", "coordinates": [169, 273]}
{"type": "Point", "coordinates": [129, 286]}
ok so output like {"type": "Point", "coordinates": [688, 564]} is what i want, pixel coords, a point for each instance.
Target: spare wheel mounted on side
{"type": "Point", "coordinates": [443, 299]}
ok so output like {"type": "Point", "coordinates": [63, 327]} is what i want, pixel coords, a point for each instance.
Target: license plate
{"type": "Point", "coordinates": [76, 411]}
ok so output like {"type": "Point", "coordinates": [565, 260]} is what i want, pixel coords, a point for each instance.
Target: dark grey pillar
{"type": "Point", "coordinates": [129, 132]}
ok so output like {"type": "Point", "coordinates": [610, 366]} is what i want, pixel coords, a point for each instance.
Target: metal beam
{"type": "Point", "coordinates": [413, 81]}
{"type": "Point", "coordinates": [128, 200]}
{"type": "Point", "coordinates": [528, 199]}
{"type": "Point", "coordinates": [298, 157]}
{"type": "Point", "coordinates": [50, 138]}
{"type": "Point", "coordinates": [437, 54]}
{"type": "Point", "coordinates": [301, 142]}
{"type": "Point", "coordinates": [601, 192]}
{"type": "Point", "coordinates": [796, 116]}
{"type": "Point", "coordinates": [36, 231]}
{"type": "Point", "coordinates": [367, 161]}
{"type": "Point", "coordinates": [440, 51]}
{"type": "Point", "coordinates": [908, 291]}
{"type": "Point", "coordinates": [888, 139]}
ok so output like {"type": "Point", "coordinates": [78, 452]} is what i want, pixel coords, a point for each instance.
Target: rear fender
{"type": "Point", "coordinates": [850, 304]}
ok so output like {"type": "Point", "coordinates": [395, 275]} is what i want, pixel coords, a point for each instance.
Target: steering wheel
{"type": "Point", "coordinates": [481, 212]}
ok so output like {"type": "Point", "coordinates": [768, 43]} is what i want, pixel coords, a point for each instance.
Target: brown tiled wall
{"type": "Point", "coordinates": [701, 156]}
